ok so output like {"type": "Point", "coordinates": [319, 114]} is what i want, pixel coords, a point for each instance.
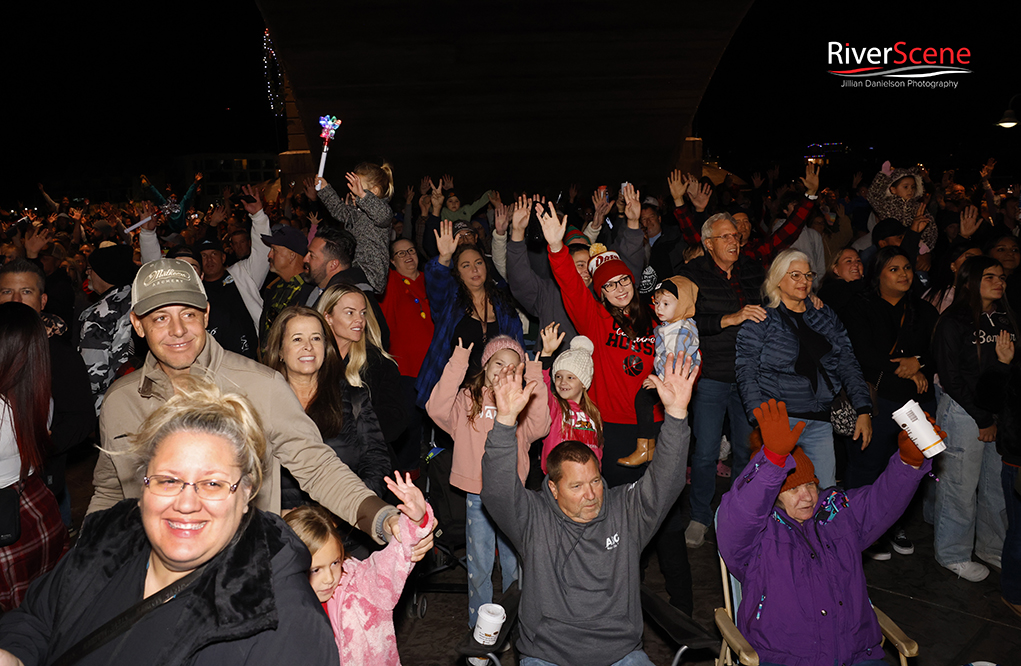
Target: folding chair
{"type": "Point", "coordinates": [683, 630]}
{"type": "Point", "coordinates": [469, 647]}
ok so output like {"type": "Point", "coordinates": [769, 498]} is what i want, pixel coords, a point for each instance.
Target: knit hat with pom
{"type": "Point", "coordinates": [605, 265]}
{"type": "Point", "coordinates": [502, 342]}
{"type": "Point", "coordinates": [804, 472]}
{"type": "Point", "coordinates": [577, 360]}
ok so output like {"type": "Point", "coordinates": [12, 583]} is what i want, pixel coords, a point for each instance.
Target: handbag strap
{"type": "Point", "coordinates": [121, 623]}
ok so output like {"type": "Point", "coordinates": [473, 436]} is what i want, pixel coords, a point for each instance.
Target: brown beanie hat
{"type": "Point", "coordinates": [804, 470]}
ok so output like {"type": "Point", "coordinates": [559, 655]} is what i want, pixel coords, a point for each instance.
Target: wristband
{"type": "Point", "coordinates": [425, 520]}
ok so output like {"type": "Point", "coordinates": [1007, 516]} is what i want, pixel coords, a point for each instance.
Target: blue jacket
{"type": "Point", "coordinates": [767, 352]}
{"type": "Point", "coordinates": [804, 600]}
{"type": "Point", "coordinates": [441, 288]}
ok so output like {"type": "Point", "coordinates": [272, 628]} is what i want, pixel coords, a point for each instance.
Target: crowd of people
{"type": "Point", "coordinates": [300, 352]}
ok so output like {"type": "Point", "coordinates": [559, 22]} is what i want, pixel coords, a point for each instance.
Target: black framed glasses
{"type": "Point", "coordinates": [209, 489]}
{"type": "Point", "coordinates": [614, 285]}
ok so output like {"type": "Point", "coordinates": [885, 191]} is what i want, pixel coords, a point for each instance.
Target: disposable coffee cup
{"type": "Point", "coordinates": [911, 418]}
{"type": "Point", "coordinates": [487, 627]}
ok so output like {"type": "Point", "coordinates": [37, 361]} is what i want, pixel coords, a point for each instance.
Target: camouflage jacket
{"type": "Point", "coordinates": [106, 339]}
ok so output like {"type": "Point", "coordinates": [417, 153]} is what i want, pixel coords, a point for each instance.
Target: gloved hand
{"type": "Point", "coordinates": [777, 435]}
{"type": "Point", "coordinates": [910, 453]}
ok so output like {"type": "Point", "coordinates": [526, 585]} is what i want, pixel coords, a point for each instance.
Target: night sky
{"type": "Point", "coordinates": [122, 89]}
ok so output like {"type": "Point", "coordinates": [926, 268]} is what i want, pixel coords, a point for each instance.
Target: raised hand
{"type": "Point", "coordinates": [757, 180]}
{"type": "Point", "coordinates": [553, 227]}
{"type": "Point", "coordinates": [987, 169]}
{"type": "Point", "coordinates": [218, 215]}
{"type": "Point", "coordinates": [519, 217]}
{"type": "Point", "coordinates": [552, 338]}
{"type": "Point", "coordinates": [811, 179]}
{"type": "Point", "coordinates": [699, 195]}
{"type": "Point", "coordinates": [424, 204]}
{"type": "Point", "coordinates": [856, 179]}
{"type": "Point", "coordinates": [252, 207]}
{"type": "Point", "coordinates": [460, 345]}
{"type": "Point", "coordinates": [309, 186]}
{"type": "Point", "coordinates": [354, 183]}
{"type": "Point", "coordinates": [1004, 348]}
{"type": "Point", "coordinates": [494, 198]}
{"type": "Point", "coordinates": [35, 241]}
{"type": "Point", "coordinates": [198, 176]}
{"type": "Point", "coordinates": [632, 202]}
{"type": "Point", "coordinates": [51, 218]}
{"type": "Point", "coordinates": [777, 434]}
{"type": "Point", "coordinates": [773, 173]}
{"type": "Point", "coordinates": [909, 452]}
{"type": "Point", "coordinates": [445, 242]}
{"type": "Point", "coordinates": [511, 397]}
{"type": "Point", "coordinates": [601, 204]}
{"type": "Point", "coordinates": [676, 386]}
{"type": "Point", "coordinates": [412, 500]}
{"type": "Point", "coordinates": [424, 185]}
{"type": "Point", "coordinates": [921, 220]}
{"type": "Point", "coordinates": [501, 219]}
{"type": "Point", "coordinates": [678, 186]}
{"type": "Point", "coordinates": [436, 198]}
{"type": "Point", "coordinates": [447, 181]}
{"type": "Point", "coordinates": [970, 221]}
{"type": "Point", "coordinates": [76, 214]}
{"type": "Point", "coordinates": [572, 192]}
{"type": "Point", "coordinates": [149, 210]}
{"type": "Point", "coordinates": [409, 194]}
{"type": "Point", "coordinates": [313, 220]}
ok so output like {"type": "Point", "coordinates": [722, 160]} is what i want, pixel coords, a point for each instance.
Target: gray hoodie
{"type": "Point", "coordinates": [580, 601]}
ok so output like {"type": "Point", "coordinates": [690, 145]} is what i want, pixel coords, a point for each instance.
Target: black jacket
{"type": "Point", "coordinates": [999, 391]}
{"type": "Point", "coordinates": [875, 328]}
{"type": "Point", "coordinates": [382, 379]}
{"type": "Point", "coordinates": [252, 604]}
{"type": "Point", "coordinates": [838, 294]}
{"type": "Point", "coordinates": [359, 445]}
{"type": "Point", "coordinates": [717, 299]}
{"type": "Point", "coordinates": [667, 255]}
{"type": "Point", "coordinates": [962, 354]}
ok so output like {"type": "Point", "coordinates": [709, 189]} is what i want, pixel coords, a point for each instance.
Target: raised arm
{"type": "Point", "coordinates": [442, 404]}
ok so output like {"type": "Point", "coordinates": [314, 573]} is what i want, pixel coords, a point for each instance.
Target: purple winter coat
{"type": "Point", "coordinates": [804, 600]}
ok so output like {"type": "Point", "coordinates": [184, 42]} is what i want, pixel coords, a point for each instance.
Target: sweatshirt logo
{"type": "Point", "coordinates": [612, 542]}
{"type": "Point", "coordinates": [633, 365]}
{"type": "Point", "coordinates": [489, 412]}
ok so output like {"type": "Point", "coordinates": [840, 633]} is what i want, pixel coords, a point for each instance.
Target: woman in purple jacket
{"type": "Point", "coordinates": [797, 550]}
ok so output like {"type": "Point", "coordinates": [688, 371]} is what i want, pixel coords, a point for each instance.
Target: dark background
{"type": "Point", "coordinates": [114, 90]}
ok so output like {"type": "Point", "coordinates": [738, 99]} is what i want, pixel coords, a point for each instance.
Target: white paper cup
{"type": "Point", "coordinates": [911, 418]}
{"type": "Point", "coordinates": [487, 627]}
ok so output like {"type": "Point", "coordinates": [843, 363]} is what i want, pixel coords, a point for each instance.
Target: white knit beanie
{"type": "Point", "coordinates": [577, 360]}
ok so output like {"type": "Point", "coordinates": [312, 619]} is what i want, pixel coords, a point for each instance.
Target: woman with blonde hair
{"type": "Point", "coordinates": [364, 362]}
{"type": "Point", "coordinates": [807, 362]}
{"type": "Point", "coordinates": [300, 347]}
{"type": "Point", "coordinates": [205, 577]}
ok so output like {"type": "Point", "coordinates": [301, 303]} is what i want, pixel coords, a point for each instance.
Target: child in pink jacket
{"type": "Point", "coordinates": [573, 414]}
{"type": "Point", "coordinates": [467, 415]}
{"type": "Point", "coordinates": [359, 596]}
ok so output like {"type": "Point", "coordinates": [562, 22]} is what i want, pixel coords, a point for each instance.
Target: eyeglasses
{"type": "Point", "coordinates": [727, 237]}
{"type": "Point", "coordinates": [209, 489]}
{"type": "Point", "coordinates": [624, 281]}
{"type": "Point", "coordinates": [798, 276]}
{"type": "Point", "coordinates": [410, 252]}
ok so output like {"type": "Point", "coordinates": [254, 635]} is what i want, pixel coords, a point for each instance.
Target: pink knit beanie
{"type": "Point", "coordinates": [502, 342]}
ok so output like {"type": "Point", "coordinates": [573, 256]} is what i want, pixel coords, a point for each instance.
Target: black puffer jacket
{"type": "Point", "coordinates": [999, 391]}
{"type": "Point", "coordinates": [359, 445]}
{"type": "Point", "coordinates": [717, 299]}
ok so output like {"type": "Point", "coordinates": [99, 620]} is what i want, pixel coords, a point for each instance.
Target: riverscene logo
{"type": "Point", "coordinates": [897, 66]}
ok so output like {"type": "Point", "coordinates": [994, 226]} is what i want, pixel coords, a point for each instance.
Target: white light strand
{"type": "Point", "coordinates": [273, 74]}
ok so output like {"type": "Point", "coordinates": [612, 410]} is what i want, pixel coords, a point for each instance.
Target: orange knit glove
{"type": "Point", "coordinates": [910, 453]}
{"type": "Point", "coordinates": [777, 435]}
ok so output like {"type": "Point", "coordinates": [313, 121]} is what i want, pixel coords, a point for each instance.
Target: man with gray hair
{"type": "Point", "coordinates": [729, 285]}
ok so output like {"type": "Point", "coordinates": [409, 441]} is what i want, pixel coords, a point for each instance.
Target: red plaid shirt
{"type": "Point", "coordinates": [760, 249]}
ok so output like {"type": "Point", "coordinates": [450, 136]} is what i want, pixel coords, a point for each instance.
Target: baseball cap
{"type": "Point", "coordinates": [460, 226]}
{"type": "Point", "coordinates": [289, 237]}
{"type": "Point", "coordinates": [210, 244]}
{"type": "Point", "coordinates": [166, 282]}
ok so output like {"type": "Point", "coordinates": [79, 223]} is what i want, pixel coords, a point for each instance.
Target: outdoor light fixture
{"type": "Point", "coordinates": [1009, 119]}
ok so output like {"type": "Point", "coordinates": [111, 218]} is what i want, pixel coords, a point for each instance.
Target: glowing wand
{"type": "Point", "coordinates": [329, 125]}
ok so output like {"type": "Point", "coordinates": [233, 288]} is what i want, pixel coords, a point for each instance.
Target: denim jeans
{"type": "Point", "coordinates": [1010, 578]}
{"type": "Point", "coordinates": [970, 510]}
{"type": "Point", "coordinates": [817, 442]}
{"type": "Point", "coordinates": [483, 539]}
{"type": "Point", "coordinates": [711, 402]}
{"type": "Point", "coordinates": [636, 658]}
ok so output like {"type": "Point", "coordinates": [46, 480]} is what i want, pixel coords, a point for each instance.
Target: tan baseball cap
{"type": "Point", "coordinates": [166, 282]}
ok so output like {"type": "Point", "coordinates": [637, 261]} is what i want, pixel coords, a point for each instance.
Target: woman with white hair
{"type": "Point", "coordinates": [807, 362]}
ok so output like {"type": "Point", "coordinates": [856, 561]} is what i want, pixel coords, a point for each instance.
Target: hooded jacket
{"type": "Point", "coordinates": [887, 204]}
{"type": "Point", "coordinates": [580, 605]}
{"type": "Point", "coordinates": [251, 605]}
{"type": "Point", "coordinates": [803, 592]}
{"type": "Point", "coordinates": [292, 439]}
{"type": "Point", "coordinates": [369, 219]}
{"type": "Point", "coordinates": [680, 336]}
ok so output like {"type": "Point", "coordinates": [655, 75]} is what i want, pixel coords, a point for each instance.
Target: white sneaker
{"type": "Point", "coordinates": [971, 571]}
{"type": "Point", "coordinates": [694, 536]}
{"type": "Point", "coordinates": [724, 448]}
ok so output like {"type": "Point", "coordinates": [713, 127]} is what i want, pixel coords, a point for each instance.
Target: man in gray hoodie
{"type": "Point", "coordinates": [579, 543]}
